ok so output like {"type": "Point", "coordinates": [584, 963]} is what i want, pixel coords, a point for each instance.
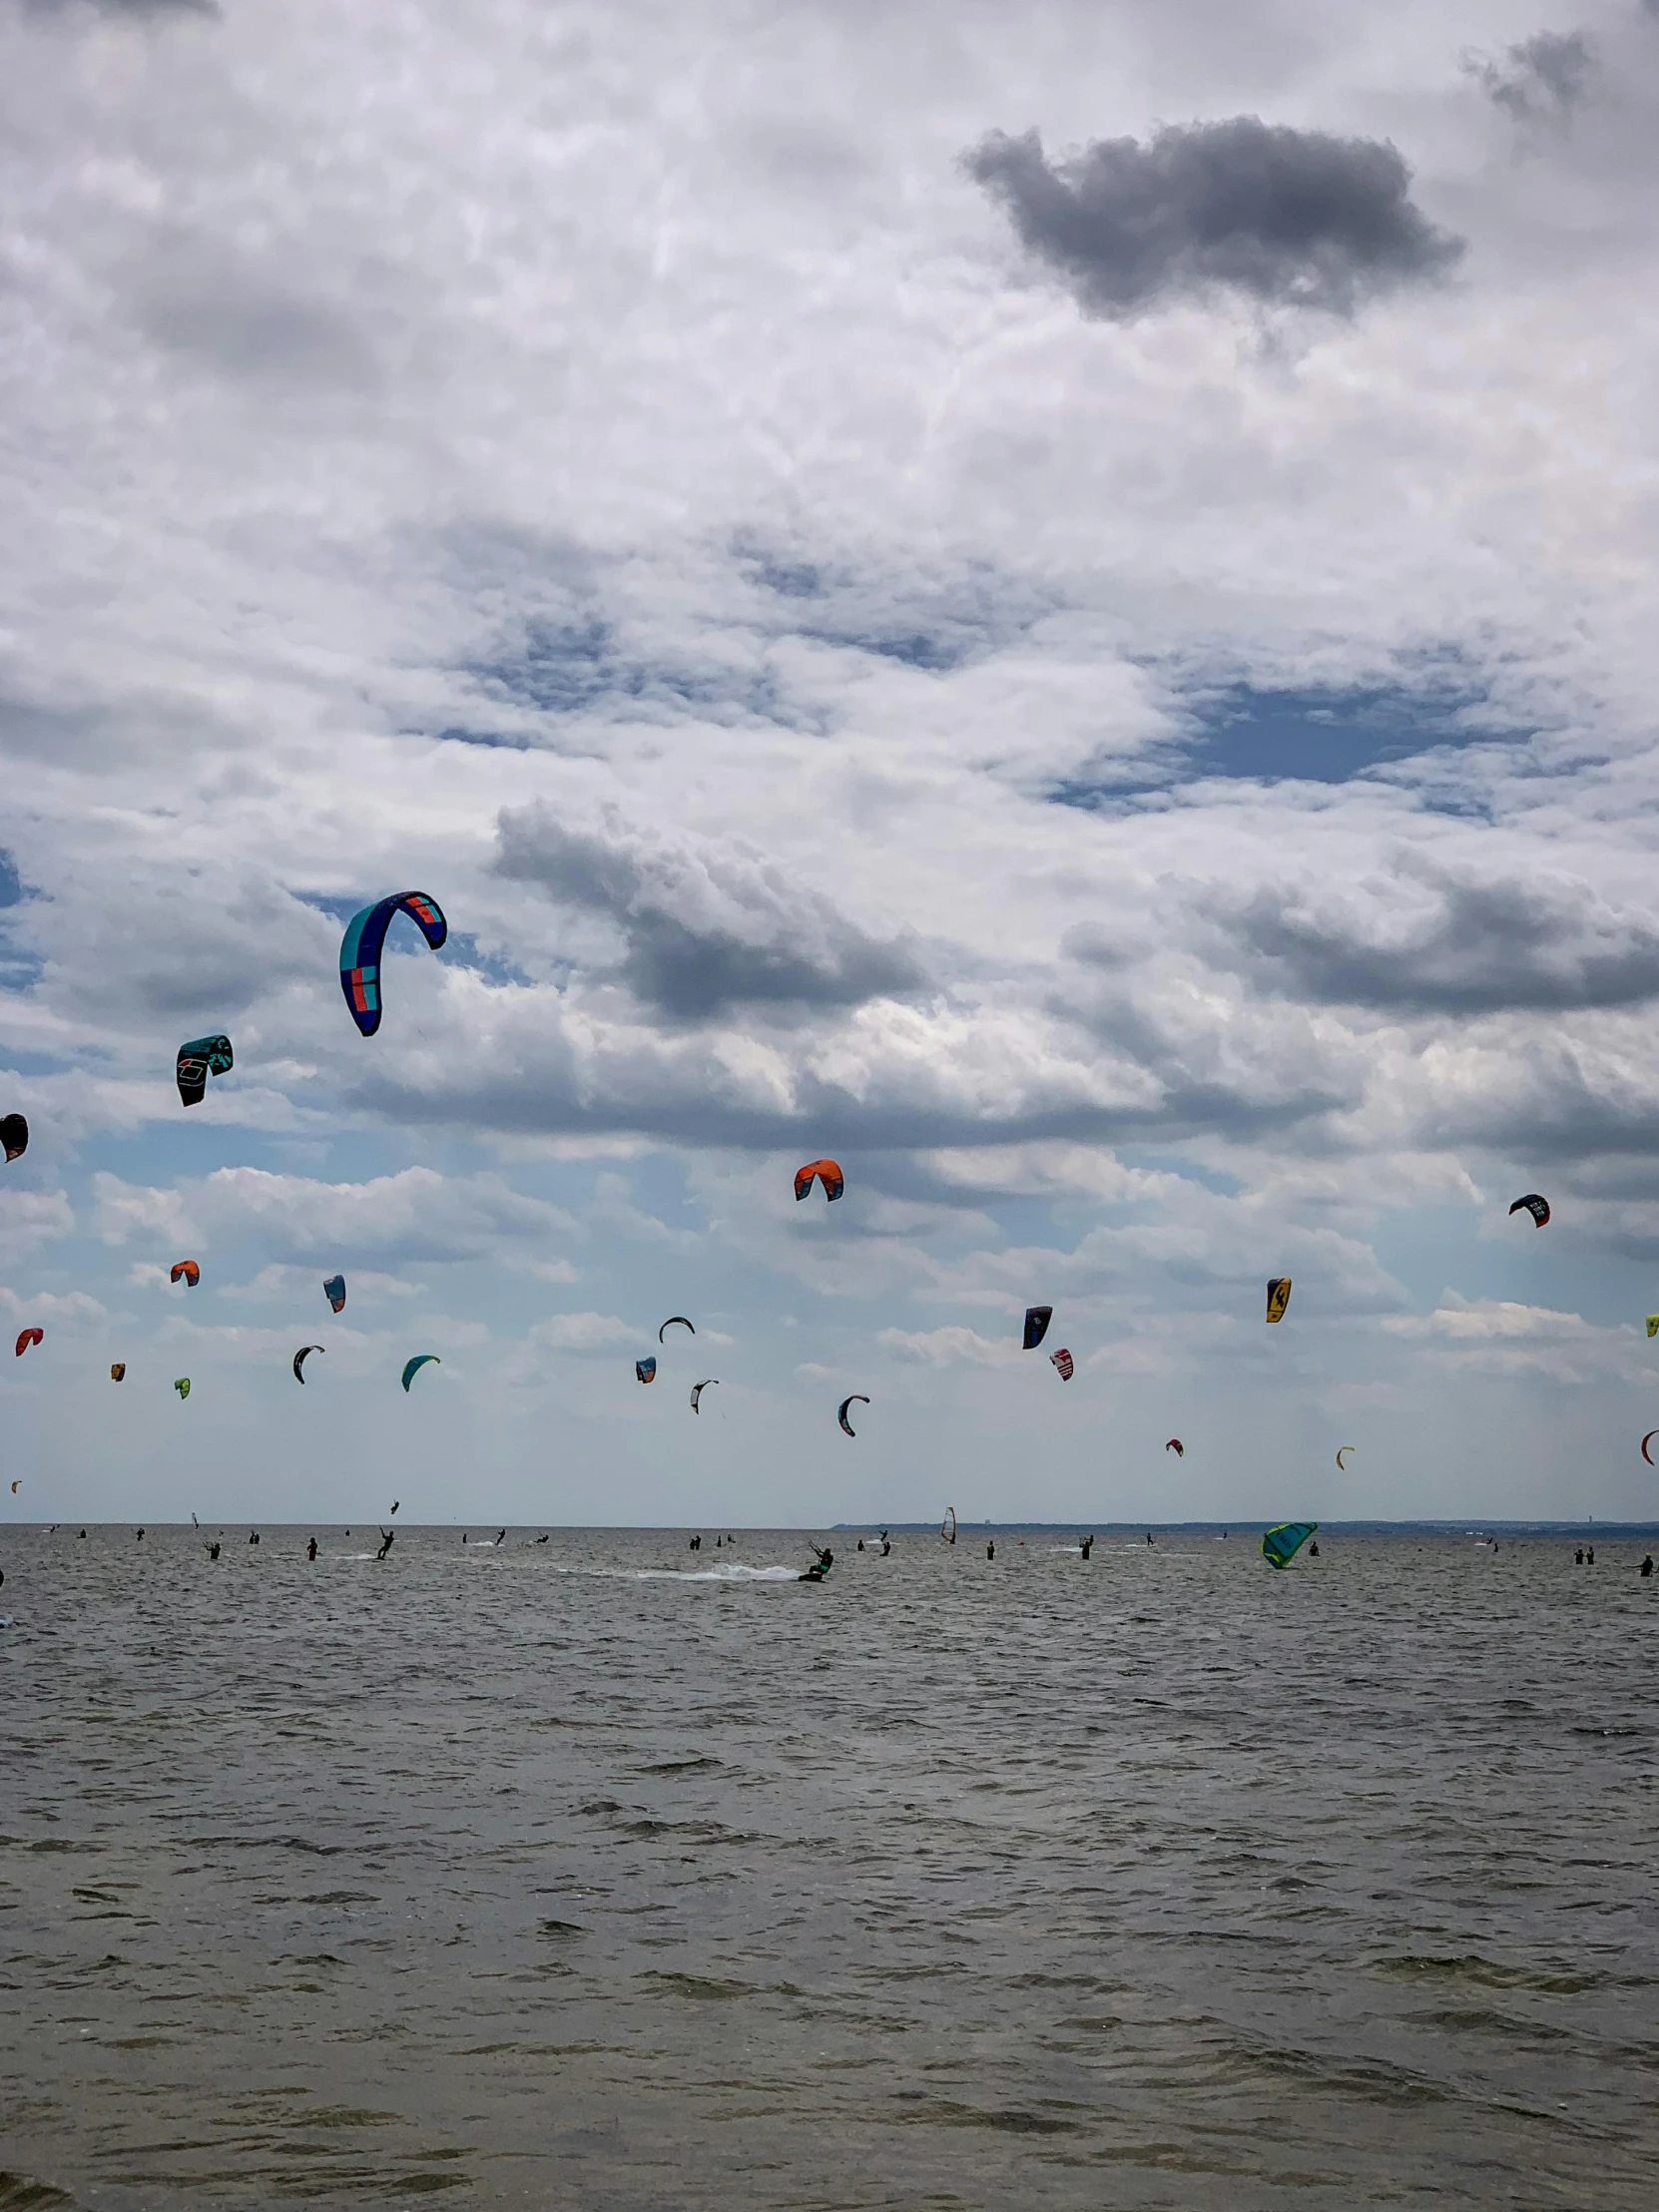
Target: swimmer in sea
{"type": "Point", "coordinates": [310, 1549]}
{"type": "Point", "coordinates": [388, 1538]}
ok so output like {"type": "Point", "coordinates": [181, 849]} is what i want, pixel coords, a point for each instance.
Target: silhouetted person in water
{"type": "Point", "coordinates": [541, 1539]}
{"type": "Point", "coordinates": [821, 1565]}
{"type": "Point", "coordinates": [1590, 1556]}
{"type": "Point", "coordinates": [696, 1545]}
{"type": "Point", "coordinates": [141, 1535]}
{"type": "Point", "coordinates": [310, 1549]}
{"type": "Point", "coordinates": [1579, 1556]}
{"type": "Point", "coordinates": [1149, 1535]}
{"type": "Point", "coordinates": [1086, 1546]}
{"type": "Point", "coordinates": [990, 1550]}
{"type": "Point", "coordinates": [885, 1547]}
{"type": "Point", "coordinates": [83, 1535]}
{"type": "Point", "coordinates": [860, 1543]}
{"type": "Point", "coordinates": [1313, 1551]}
{"type": "Point", "coordinates": [212, 1552]}
{"type": "Point", "coordinates": [1647, 1566]}
{"type": "Point", "coordinates": [253, 1536]}
{"type": "Point", "coordinates": [388, 1538]}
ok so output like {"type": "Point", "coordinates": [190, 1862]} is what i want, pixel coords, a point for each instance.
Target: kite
{"type": "Point", "coordinates": [28, 1337]}
{"type": "Point", "coordinates": [699, 1388]}
{"type": "Point", "coordinates": [14, 1135]}
{"type": "Point", "coordinates": [1537, 1207]}
{"type": "Point", "coordinates": [202, 1057]}
{"type": "Point", "coordinates": [299, 1359]}
{"type": "Point", "coordinates": [412, 1367]}
{"type": "Point", "coordinates": [646, 1369]}
{"type": "Point", "coordinates": [1341, 1449]}
{"type": "Point", "coordinates": [828, 1173]}
{"type": "Point", "coordinates": [1646, 1440]}
{"type": "Point", "coordinates": [360, 948]}
{"type": "Point", "coordinates": [1279, 1545]}
{"type": "Point", "coordinates": [1278, 1297]}
{"type": "Point", "coordinates": [858, 1399]}
{"type": "Point", "coordinates": [117, 1370]}
{"type": "Point", "coordinates": [1177, 1446]}
{"type": "Point", "coordinates": [335, 1291]}
{"type": "Point", "coordinates": [17, 1486]}
{"type": "Point", "coordinates": [1653, 1325]}
{"type": "Point", "coordinates": [1062, 1362]}
{"type": "Point", "coordinates": [182, 1384]}
{"type": "Point", "coordinates": [669, 1324]}
{"type": "Point", "coordinates": [1037, 1319]}
{"type": "Point", "coordinates": [948, 1527]}
{"type": "Point", "coordinates": [190, 1270]}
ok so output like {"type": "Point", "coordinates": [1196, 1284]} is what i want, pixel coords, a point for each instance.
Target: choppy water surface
{"type": "Point", "coordinates": [566, 1876]}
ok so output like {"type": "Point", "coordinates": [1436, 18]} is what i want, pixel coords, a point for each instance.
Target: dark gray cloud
{"type": "Point", "coordinates": [705, 927]}
{"type": "Point", "coordinates": [1539, 80]}
{"type": "Point", "coordinates": [245, 322]}
{"type": "Point", "coordinates": [1298, 217]}
{"type": "Point", "coordinates": [1434, 941]}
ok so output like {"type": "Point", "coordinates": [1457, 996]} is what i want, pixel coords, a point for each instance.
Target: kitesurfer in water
{"type": "Point", "coordinates": [1647, 1566]}
{"type": "Point", "coordinates": [990, 1550]}
{"type": "Point", "coordinates": [388, 1538]}
{"type": "Point", "coordinates": [1313, 1551]}
{"type": "Point", "coordinates": [1086, 1546]}
{"type": "Point", "coordinates": [310, 1549]}
{"type": "Point", "coordinates": [1590, 1556]}
{"type": "Point", "coordinates": [821, 1565]}
{"type": "Point", "coordinates": [212, 1552]}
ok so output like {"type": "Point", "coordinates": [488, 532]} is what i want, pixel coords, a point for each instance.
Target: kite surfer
{"type": "Point", "coordinates": [388, 1538]}
{"type": "Point", "coordinates": [990, 1549]}
{"type": "Point", "coordinates": [820, 1566]}
{"type": "Point", "coordinates": [1086, 1546]}
{"type": "Point", "coordinates": [310, 1549]}
{"type": "Point", "coordinates": [1647, 1566]}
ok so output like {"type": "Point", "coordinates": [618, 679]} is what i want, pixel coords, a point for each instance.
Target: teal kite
{"type": "Point", "coordinates": [200, 1058]}
{"type": "Point", "coordinates": [412, 1367]}
{"type": "Point", "coordinates": [1279, 1545]}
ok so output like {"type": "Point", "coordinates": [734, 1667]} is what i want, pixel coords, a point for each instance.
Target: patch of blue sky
{"type": "Point", "coordinates": [563, 669]}
{"type": "Point", "coordinates": [1277, 735]}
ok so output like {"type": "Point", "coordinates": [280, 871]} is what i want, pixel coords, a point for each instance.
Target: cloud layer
{"type": "Point", "coordinates": [1164, 792]}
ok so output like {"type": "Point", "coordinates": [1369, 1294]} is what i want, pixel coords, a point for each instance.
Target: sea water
{"type": "Point", "coordinates": [601, 1874]}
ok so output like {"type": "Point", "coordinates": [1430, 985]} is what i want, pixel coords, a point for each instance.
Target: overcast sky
{"type": "Point", "coordinates": [1055, 601]}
